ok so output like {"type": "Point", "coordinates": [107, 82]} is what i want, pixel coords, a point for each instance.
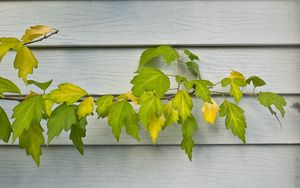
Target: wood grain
{"type": "Point", "coordinates": [219, 22]}
{"type": "Point", "coordinates": [154, 166]}
{"type": "Point", "coordinates": [262, 128]}
{"type": "Point", "coordinates": [109, 70]}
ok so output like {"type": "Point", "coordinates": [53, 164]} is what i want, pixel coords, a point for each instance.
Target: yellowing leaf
{"type": "Point", "coordinates": [210, 111]}
{"type": "Point", "coordinates": [236, 75]}
{"type": "Point", "coordinates": [85, 108]}
{"type": "Point", "coordinates": [35, 32]}
{"type": "Point", "coordinates": [155, 127]}
{"type": "Point", "coordinates": [183, 104]}
{"type": "Point", "coordinates": [151, 106]}
{"type": "Point", "coordinates": [170, 113]}
{"type": "Point", "coordinates": [48, 104]}
{"type": "Point", "coordinates": [128, 96]}
{"type": "Point", "coordinates": [68, 93]}
{"type": "Point", "coordinates": [6, 44]}
{"type": "Point", "coordinates": [236, 80]}
{"type": "Point", "coordinates": [25, 62]}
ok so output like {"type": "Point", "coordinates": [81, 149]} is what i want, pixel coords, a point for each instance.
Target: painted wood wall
{"type": "Point", "coordinates": [98, 48]}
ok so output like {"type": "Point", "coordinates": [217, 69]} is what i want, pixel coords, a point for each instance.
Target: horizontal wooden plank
{"type": "Point", "coordinates": [154, 166]}
{"type": "Point", "coordinates": [109, 70]}
{"type": "Point", "coordinates": [262, 128]}
{"type": "Point", "coordinates": [156, 22]}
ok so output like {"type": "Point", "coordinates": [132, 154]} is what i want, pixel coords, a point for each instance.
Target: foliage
{"type": "Point", "coordinates": [151, 102]}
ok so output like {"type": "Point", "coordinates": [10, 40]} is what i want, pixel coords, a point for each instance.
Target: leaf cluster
{"type": "Point", "coordinates": [150, 104]}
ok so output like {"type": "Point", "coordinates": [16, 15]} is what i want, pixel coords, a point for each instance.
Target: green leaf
{"type": "Point", "coordinates": [268, 99]}
{"type": "Point", "coordinates": [42, 85]}
{"type": "Point", "coordinates": [103, 105]}
{"type": "Point", "coordinates": [151, 106]}
{"type": "Point", "coordinates": [201, 89]}
{"type": "Point", "coordinates": [7, 44]}
{"type": "Point", "coordinates": [78, 131]}
{"type": "Point", "coordinates": [68, 93]}
{"type": "Point", "coordinates": [122, 114]}
{"type": "Point", "coordinates": [32, 139]}
{"type": "Point", "coordinates": [183, 104]}
{"type": "Point", "coordinates": [150, 79]}
{"type": "Point", "coordinates": [180, 79]}
{"type": "Point", "coordinates": [194, 68]}
{"type": "Point", "coordinates": [235, 119]}
{"type": "Point", "coordinates": [26, 113]}
{"type": "Point", "coordinates": [5, 126]}
{"type": "Point", "coordinates": [256, 81]}
{"type": "Point", "coordinates": [168, 53]}
{"type": "Point", "coordinates": [25, 62]}
{"type": "Point", "coordinates": [8, 86]}
{"type": "Point", "coordinates": [63, 117]}
{"type": "Point", "coordinates": [189, 126]}
{"type": "Point", "coordinates": [191, 55]}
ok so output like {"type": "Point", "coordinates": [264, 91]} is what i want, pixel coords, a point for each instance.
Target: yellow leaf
{"type": "Point", "coordinates": [236, 75]}
{"type": "Point", "coordinates": [183, 103]}
{"type": "Point", "coordinates": [155, 127]}
{"type": "Point", "coordinates": [128, 96]}
{"type": "Point", "coordinates": [48, 104]}
{"type": "Point", "coordinates": [170, 113]}
{"type": "Point", "coordinates": [210, 111]}
{"type": "Point", "coordinates": [86, 107]}
{"type": "Point", "coordinates": [35, 32]}
{"type": "Point", "coordinates": [68, 93]}
{"type": "Point", "coordinates": [25, 62]}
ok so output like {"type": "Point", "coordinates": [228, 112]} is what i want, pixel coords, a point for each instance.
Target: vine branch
{"type": "Point", "coordinates": [43, 38]}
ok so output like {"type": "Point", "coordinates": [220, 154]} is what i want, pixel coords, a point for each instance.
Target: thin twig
{"type": "Point", "coordinates": [43, 38]}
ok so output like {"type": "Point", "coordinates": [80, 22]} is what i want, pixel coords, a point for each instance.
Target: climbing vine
{"type": "Point", "coordinates": [160, 106]}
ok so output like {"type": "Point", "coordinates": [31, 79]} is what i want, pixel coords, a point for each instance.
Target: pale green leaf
{"type": "Point", "coordinates": [63, 117]}
{"type": "Point", "coordinates": [26, 113]}
{"type": "Point", "coordinates": [171, 114]}
{"type": "Point", "coordinates": [122, 114]}
{"type": "Point", "coordinates": [183, 104]}
{"type": "Point", "coordinates": [235, 119]}
{"type": "Point", "coordinates": [150, 79]}
{"type": "Point", "coordinates": [8, 86]}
